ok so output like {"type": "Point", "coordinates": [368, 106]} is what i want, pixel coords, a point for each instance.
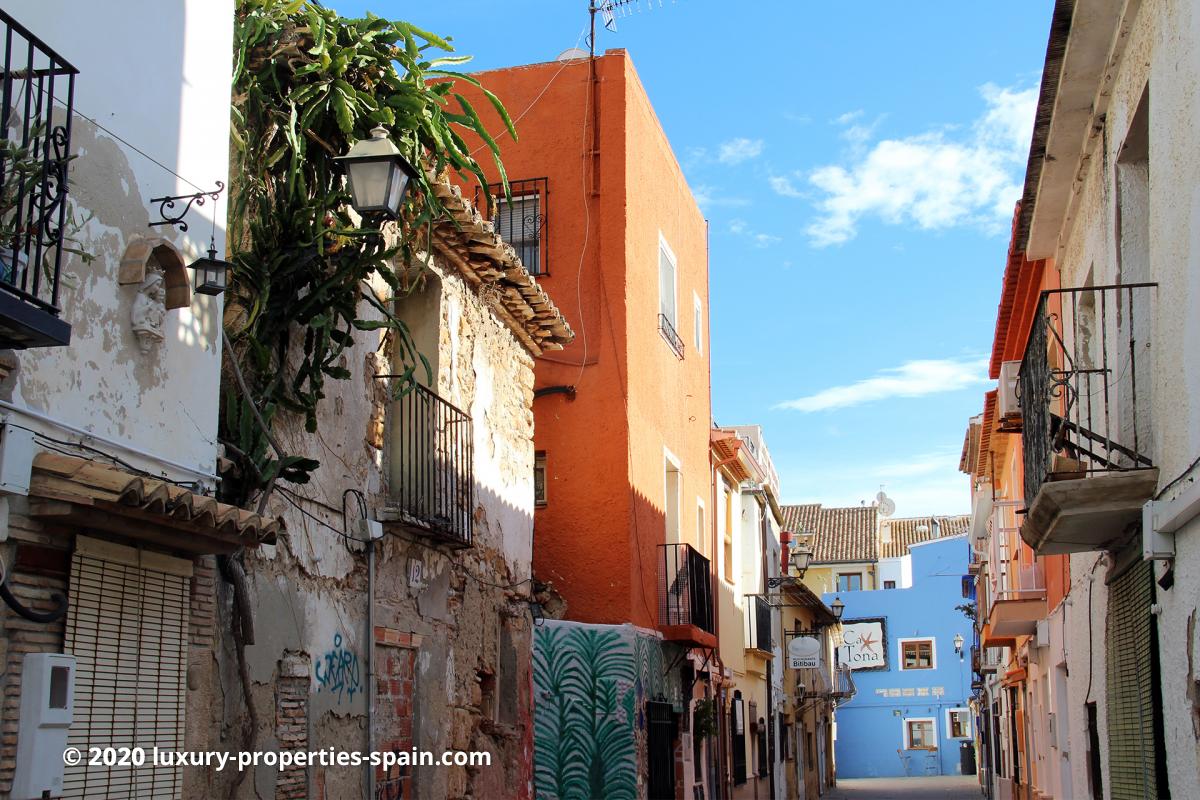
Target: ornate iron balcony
{"type": "Point", "coordinates": [1082, 381]}
{"type": "Point", "coordinates": [684, 588]}
{"type": "Point", "coordinates": [436, 482]}
{"type": "Point", "coordinates": [668, 331]}
{"type": "Point", "coordinates": [36, 108]}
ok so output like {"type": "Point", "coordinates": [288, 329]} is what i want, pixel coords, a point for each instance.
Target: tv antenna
{"type": "Point", "coordinates": [608, 11]}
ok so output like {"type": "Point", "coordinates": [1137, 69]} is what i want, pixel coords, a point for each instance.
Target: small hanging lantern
{"type": "Point", "coordinates": [210, 272]}
{"type": "Point", "coordinates": [379, 175]}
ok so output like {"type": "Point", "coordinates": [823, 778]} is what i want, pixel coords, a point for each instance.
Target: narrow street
{"type": "Point", "coordinates": [952, 787]}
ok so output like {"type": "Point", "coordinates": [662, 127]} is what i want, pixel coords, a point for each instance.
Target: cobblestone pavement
{"type": "Point", "coordinates": [955, 787]}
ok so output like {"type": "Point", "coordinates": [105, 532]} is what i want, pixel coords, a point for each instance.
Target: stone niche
{"type": "Point", "coordinates": [146, 255]}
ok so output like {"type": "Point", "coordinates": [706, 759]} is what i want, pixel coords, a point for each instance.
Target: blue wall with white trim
{"type": "Point", "coordinates": [871, 727]}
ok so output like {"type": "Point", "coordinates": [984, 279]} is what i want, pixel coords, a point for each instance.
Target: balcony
{"type": "Point", "coordinates": [1085, 419]}
{"type": "Point", "coordinates": [668, 332]}
{"type": "Point", "coordinates": [1016, 589]}
{"type": "Point", "coordinates": [521, 220]}
{"type": "Point", "coordinates": [35, 148]}
{"type": "Point", "coordinates": [758, 626]}
{"type": "Point", "coordinates": [685, 602]}
{"type": "Point", "coordinates": [435, 485]}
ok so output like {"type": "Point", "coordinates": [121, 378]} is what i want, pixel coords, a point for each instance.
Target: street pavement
{"type": "Point", "coordinates": [956, 787]}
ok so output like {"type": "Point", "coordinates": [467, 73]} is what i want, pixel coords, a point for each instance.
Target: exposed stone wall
{"type": "Point", "coordinates": [452, 628]}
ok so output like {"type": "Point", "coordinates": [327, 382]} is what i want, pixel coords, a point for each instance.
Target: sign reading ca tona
{"type": "Point", "coordinates": [864, 644]}
{"type": "Point", "coordinates": [804, 652]}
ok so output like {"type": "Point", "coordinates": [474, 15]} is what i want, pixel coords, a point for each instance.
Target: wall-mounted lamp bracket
{"type": "Point", "coordinates": [166, 206]}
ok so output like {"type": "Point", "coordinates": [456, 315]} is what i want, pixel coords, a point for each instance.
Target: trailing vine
{"type": "Point", "coordinates": [307, 84]}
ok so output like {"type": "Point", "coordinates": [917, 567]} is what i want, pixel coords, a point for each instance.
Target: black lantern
{"type": "Point", "coordinates": [379, 175]}
{"type": "Point", "coordinates": [958, 645]}
{"type": "Point", "coordinates": [838, 607]}
{"type": "Point", "coordinates": [210, 272]}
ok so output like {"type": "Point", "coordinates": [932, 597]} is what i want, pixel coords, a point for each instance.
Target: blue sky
{"type": "Point", "coordinates": [858, 164]}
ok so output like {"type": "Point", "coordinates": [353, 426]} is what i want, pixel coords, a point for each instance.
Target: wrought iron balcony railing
{"type": "Point", "coordinates": [1082, 381]}
{"type": "Point", "coordinates": [668, 331]}
{"type": "Point", "coordinates": [36, 104]}
{"type": "Point", "coordinates": [684, 588]}
{"type": "Point", "coordinates": [435, 481]}
{"type": "Point", "coordinates": [521, 221]}
{"type": "Point", "coordinates": [758, 624]}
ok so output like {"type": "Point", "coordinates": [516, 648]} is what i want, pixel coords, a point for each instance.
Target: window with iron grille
{"type": "Point", "coordinates": [520, 219]}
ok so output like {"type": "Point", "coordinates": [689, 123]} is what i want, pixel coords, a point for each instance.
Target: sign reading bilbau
{"type": "Point", "coordinates": [804, 652]}
{"type": "Point", "coordinates": [865, 644]}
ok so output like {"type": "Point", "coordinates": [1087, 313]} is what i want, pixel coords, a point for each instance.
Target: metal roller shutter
{"type": "Point", "coordinates": [1130, 681]}
{"type": "Point", "coordinates": [127, 628]}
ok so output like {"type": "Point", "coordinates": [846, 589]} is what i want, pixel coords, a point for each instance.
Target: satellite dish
{"type": "Point", "coordinates": [887, 506]}
{"type": "Point", "coordinates": [572, 54]}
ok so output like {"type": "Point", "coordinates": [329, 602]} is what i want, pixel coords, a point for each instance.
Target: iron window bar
{"type": "Point", "coordinates": [1078, 383]}
{"type": "Point", "coordinates": [522, 221]}
{"type": "Point", "coordinates": [36, 149]}
{"type": "Point", "coordinates": [668, 331]}
{"type": "Point", "coordinates": [684, 587]}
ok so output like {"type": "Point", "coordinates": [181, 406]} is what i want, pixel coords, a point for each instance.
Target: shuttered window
{"type": "Point", "coordinates": [127, 628]}
{"type": "Point", "coordinates": [1130, 680]}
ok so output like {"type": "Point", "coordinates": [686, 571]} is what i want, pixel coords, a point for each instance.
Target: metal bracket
{"type": "Point", "coordinates": [166, 204]}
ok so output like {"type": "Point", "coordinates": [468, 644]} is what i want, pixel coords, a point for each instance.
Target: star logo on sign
{"type": "Point", "coordinates": [867, 643]}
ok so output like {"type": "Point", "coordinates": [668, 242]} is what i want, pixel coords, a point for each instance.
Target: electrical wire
{"type": "Point", "coordinates": [545, 88]}
{"type": "Point", "coordinates": [129, 144]}
{"type": "Point", "coordinates": [190, 485]}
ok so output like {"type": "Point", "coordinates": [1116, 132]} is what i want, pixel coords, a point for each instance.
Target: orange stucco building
{"type": "Point", "coordinates": [622, 414]}
{"type": "Point", "coordinates": [600, 211]}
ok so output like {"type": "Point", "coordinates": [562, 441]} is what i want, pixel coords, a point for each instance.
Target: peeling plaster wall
{"type": "Point", "coordinates": [147, 73]}
{"type": "Point", "coordinates": [467, 638]}
{"type": "Point", "coordinates": [1160, 54]}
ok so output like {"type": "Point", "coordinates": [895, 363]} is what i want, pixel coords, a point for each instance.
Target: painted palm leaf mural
{"type": "Point", "coordinates": [585, 710]}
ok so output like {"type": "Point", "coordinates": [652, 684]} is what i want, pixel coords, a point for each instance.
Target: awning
{"type": "Point", "coordinates": [75, 491]}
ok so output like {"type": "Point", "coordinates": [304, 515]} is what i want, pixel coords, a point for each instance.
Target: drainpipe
{"type": "Point", "coordinates": [769, 720]}
{"type": "Point", "coordinates": [370, 664]}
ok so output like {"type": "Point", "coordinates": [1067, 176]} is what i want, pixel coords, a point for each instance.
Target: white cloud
{"type": "Point", "coordinates": [735, 151]}
{"type": "Point", "coordinates": [709, 197]}
{"type": "Point", "coordinates": [782, 185]}
{"type": "Point", "coordinates": [848, 117]}
{"type": "Point", "coordinates": [911, 379]}
{"type": "Point", "coordinates": [738, 227]}
{"type": "Point", "coordinates": [936, 180]}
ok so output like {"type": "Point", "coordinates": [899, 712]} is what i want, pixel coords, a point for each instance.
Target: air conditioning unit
{"type": "Point", "coordinates": [1007, 404]}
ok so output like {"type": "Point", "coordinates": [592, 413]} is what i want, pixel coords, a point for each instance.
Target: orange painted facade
{"type": "Point", "coordinates": [615, 191]}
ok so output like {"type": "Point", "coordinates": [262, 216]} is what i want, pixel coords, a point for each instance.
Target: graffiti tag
{"type": "Point", "coordinates": [338, 671]}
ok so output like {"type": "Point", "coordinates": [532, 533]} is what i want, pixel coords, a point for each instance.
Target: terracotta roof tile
{"type": "Point", "coordinates": [839, 534]}
{"type": "Point", "coordinates": [492, 266]}
{"type": "Point", "coordinates": [897, 535]}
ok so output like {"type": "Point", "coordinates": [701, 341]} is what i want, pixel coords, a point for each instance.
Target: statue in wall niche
{"type": "Point", "coordinates": [148, 312]}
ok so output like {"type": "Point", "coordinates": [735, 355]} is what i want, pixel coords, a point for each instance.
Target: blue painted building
{"type": "Point", "coordinates": [910, 714]}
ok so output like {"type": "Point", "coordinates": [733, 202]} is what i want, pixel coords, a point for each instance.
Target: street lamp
{"type": "Point", "coordinates": [958, 645]}
{"type": "Point", "coordinates": [838, 608]}
{"type": "Point", "coordinates": [379, 175]}
{"type": "Point", "coordinates": [801, 558]}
